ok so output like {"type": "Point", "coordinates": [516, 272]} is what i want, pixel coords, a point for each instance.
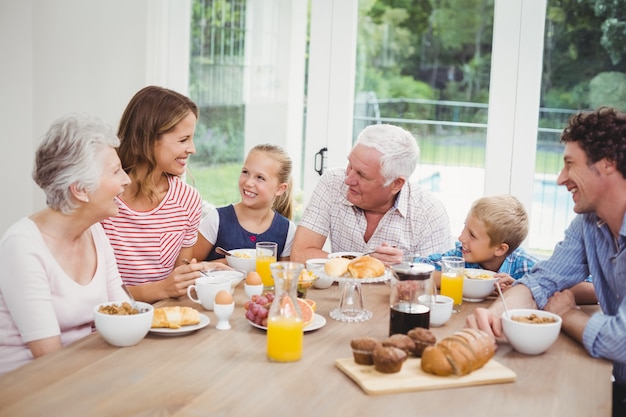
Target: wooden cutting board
{"type": "Point", "coordinates": [412, 378]}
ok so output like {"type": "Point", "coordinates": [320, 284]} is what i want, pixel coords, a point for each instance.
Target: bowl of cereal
{"type": "Point", "coordinates": [478, 284]}
{"type": "Point", "coordinates": [531, 331]}
{"type": "Point", "coordinates": [242, 259]}
{"type": "Point", "coordinates": [235, 277]}
{"type": "Point", "coordinates": [121, 324]}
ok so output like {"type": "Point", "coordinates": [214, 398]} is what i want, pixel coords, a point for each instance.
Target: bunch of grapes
{"type": "Point", "coordinates": [258, 307]}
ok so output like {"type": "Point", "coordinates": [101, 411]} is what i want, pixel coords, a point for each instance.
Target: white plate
{"type": "Point", "coordinates": [204, 321]}
{"type": "Point", "coordinates": [319, 271]}
{"type": "Point", "coordinates": [317, 323]}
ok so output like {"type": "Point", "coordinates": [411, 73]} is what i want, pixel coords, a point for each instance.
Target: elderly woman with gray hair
{"type": "Point", "coordinates": [57, 264]}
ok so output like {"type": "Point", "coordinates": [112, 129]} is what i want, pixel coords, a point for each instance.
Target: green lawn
{"type": "Point", "coordinates": [217, 183]}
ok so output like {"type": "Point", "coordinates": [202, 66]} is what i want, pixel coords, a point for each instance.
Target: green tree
{"type": "Point", "coordinates": [571, 53]}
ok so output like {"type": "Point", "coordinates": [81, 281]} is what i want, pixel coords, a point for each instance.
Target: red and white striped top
{"type": "Point", "coordinates": [147, 243]}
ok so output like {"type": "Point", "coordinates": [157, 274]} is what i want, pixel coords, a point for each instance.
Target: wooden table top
{"type": "Point", "coordinates": [226, 373]}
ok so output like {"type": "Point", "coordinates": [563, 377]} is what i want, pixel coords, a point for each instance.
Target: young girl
{"type": "Point", "coordinates": [263, 214]}
{"type": "Point", "coordinates": [154, 233]}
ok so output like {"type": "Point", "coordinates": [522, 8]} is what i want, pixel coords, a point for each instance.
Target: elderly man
{"type": "Point", "coordinates": [371, 206]}
{"type": "Point", "coordinates": [595, 174]}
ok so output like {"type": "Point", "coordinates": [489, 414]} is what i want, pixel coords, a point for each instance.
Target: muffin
{"type": "Point", "coordinates": [362, 349]}
{"type": "Point", "coordinates": [422, 338]}
{"type": "Point", "coordinates": [402, 341]}
{"type": "Point", "coordinates": [388, 359]}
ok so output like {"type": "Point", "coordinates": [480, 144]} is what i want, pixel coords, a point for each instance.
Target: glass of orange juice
{"type": "Point", "coordinates": [284, 339]}
{"type": "Point", "coordinates": [266, 254]}
{"type": "Point", "coordinates": [452, 272]}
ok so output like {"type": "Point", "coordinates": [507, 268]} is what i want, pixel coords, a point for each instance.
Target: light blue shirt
{"type": "Point", "coordinates": [589, 248]}
{"type": "Point", "coordinates": [516, 264]}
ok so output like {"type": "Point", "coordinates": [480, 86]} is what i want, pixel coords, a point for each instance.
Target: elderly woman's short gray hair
{"type": "Point", "coordinates": [70, 153]}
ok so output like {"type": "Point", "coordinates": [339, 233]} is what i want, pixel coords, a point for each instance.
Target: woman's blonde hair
{"type": "Point", "coordinates": [505, 219]}
{"type": "Point", "coordinates": [283, 204]}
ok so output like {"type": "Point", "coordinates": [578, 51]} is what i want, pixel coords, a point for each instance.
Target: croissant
{"type": "Point", "coordinates": [336, 267]}
{"type": "Point", "coordinates": [366, 267]}
{"type": "Point", "coordinates": [459, 354]}
{"type": "Point", "coordinates": [174, 317]}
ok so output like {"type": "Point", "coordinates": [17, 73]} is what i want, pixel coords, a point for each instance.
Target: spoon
{"type": "Point", "coordinates": [205, 273]}
{"type": "Point", "coordinates": [132, 299]}
{"type": "Point", "coordinates": [223, 251]}
{"type": "Point", "coordinates": [506, 310]}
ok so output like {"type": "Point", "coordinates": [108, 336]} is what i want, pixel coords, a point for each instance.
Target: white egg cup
{"type": "Point", "coordinates": [251, 290]}
{"type": "Point", "coordinates": [223, 313]}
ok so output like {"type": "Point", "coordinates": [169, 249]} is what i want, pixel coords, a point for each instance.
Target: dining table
{"type": "Point", "coordinates": [210, 372]}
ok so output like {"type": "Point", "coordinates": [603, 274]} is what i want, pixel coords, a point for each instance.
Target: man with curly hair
{"type": "Point", "coordinates": [595, 174]}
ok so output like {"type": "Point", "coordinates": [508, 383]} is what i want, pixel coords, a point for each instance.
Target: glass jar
{"type": "Point", "coordinates": [284, 320]}
{"type": "Point", "coordinates": [412, 291]}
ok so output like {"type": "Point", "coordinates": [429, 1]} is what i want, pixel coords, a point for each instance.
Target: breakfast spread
{"type": "Point", "coordinates": [361, 267]}
{"type": "Point", "coordinates": [459, 354]}
{"type": "Point", "coordinates": [386, 355]}
{"type": "Point", "coordinates": [174, 317]}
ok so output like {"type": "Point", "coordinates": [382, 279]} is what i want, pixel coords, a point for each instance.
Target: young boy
{"type": "Point", "coordinates": [495, 227]}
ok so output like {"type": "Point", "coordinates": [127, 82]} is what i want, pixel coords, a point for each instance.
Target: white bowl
{"type": "Point", "coordinates": [124, 330]}
{"type": "Point", "coordinates": [441, 311]}
{"type": "Point", "coordinates": [246, 261]}
{"type": "Point", "coordinates": [317, 266]}
{"type": "Point", "coordinates": [235, 277]}
{"type": "Point", "coordinates": [531, 338]}
{"type": "Point", "coordinates": [476, 289]}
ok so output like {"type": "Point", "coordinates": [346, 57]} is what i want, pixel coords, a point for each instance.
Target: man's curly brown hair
{"type": "Point", "coordinates": [600, 134]}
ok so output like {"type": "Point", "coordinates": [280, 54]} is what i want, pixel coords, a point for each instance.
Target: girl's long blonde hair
{"type": "Point", "coordinates": [283, 204]}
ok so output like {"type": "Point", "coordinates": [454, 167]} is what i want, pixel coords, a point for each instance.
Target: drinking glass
{"type": "Point", "coordinates": [452, 272]}
{"type": "Point", "coordinates": [266, 254]}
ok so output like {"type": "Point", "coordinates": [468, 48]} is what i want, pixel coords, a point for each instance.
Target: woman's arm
{"type": "Point", "coordinates": [42, 346]}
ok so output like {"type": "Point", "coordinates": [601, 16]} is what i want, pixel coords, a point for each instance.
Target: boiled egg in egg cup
{"type": "Point", "coordinates": [253, 284]}
{"type": "Point", "coordinates": [223, 307]}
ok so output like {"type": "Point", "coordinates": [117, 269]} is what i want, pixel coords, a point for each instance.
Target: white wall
{"type": "Point", "coordinates": [91, 56]}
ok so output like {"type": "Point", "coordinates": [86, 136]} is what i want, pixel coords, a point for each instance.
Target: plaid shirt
{"type": "Point", "coordinates": [518, 263]}
{"type": "Point", "coordinates": [417, 222]}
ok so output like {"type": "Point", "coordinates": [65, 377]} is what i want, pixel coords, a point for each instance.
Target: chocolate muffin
{"type": "Point", "coordinates": [362, 349]}
{"type": "Point", "coordinates": [402, 341]}
{"type": "Point", "coordinates": [388, 359]}
{"type": "Point", "coordinates": [422, 338]}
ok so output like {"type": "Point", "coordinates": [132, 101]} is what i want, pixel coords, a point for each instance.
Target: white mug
{"type": "Point", "coordinates": [206, 288]}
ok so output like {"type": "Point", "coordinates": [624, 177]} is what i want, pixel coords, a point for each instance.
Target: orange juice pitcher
{"type": "Point", "coordinates": [284, 322]}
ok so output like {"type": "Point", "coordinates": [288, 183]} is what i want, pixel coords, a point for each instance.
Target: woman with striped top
{"type": "Point", "coordinates": [159, 213]}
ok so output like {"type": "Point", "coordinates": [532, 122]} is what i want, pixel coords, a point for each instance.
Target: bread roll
{"type": "Point", "coordinates": [366, 267]}
{"type": "Point", "coordinates": [336, 267]}
{"type": "Point", "coordinates": [173, 317]}
{"type": "Point", "coordinates": [459, 354]}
